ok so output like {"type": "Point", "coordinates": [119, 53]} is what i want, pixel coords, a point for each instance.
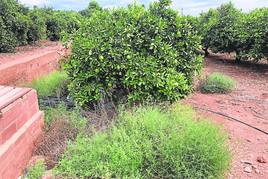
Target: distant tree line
{"type": "Point", "coordinates": [227, 29]}
{"type": "Point", "coordinates": [224, 29]}
{"type": "Point", "coordinates": [20, 25]}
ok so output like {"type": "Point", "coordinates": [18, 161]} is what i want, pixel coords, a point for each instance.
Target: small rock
{"type": "Point", "coordinates": [254, 166]}
{"type": "Point", "coordinates": [257, 171]}
{"type": "Point", "coordinates": [248, 169]}
{"type": "Point", "coordinates": [246, 162]}
{"type": "Point", "coordinates": [261, 159]}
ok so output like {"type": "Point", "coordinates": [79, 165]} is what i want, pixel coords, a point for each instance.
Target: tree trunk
{"type": "Point", "coordinates": [206, 52]}
{"type": "Point", "coordinates": [237, 57]}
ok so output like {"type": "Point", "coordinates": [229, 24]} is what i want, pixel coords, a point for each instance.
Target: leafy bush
{"type": "Point", "coordinates": [8, 13]}
{"type": "Point", "coordinates": [8, 40]}
{"type": "Point", "coordinates": [93, 6]}
{"type": "Point", "coordinates": [217, 83]}
{"type": "Point", "coordinates": [146, 54]}
{"type": "Point", "coordinates": [227, 29]}
{"type": "Point", "coordinates": [22, 27]}
{"type": "Point", "coordinates": [220, 28]}
{"type": "Point", "coordinates": [253, 35]}
{"type": "Point", "coordinates": [37, 27]}
{"type": "Point", "coordinates": [207, 22]}
{"type": "Point", "coordinates": [36, 171]}
{"type": "Point", "coordinates": [50, 85]}
{"type": "Point", "coordinates": [60, 21]}
{"type": "Point", "coordinates": [150, 143]}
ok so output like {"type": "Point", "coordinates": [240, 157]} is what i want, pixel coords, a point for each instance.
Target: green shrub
{"type": "Point", "coordinates": [22, 27]}
{"type": "Point", "coordinates": [8, 13]}
{"type": "Point", "coordinates": [36, 171]}
{"type": "Point", "coordinates": [146, 54]}
{"type": "Point", "coordinates": [253, 35]}
{"type": "Point", "coordinates": [207, 22]}
{"type": "Point", "coordinates": [50, 85]}
{"type": "Point", "coordinates": [62, 21]}
{"type": "Point", "coordinates": [217, 83]}
{"type": "Point", "coordinates": [93, 6]}
{"type": "Point", "coordinates": [8, 40]}
{"type": "Point", "coordinates": [227, 29]}
{"type": "Point", "coordinates": [150, 143]}
{"type": "Point", "coordinates": [37, 26]}
{"type": "Point", "coordinates": [220, 28]}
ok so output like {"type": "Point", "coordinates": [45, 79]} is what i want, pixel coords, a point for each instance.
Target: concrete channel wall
{"type": "Point", "coordinates": [21, 124]}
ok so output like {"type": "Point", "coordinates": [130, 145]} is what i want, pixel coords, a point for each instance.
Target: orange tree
{"type": "Point", "coordinates": [144, 54]}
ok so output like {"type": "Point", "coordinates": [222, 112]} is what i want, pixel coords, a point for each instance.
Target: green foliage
{"type": "Point", "coordinates": [8, 13]}
{"type": "Point", "coordinates": [207, 22]}
{"type": "Point", "coordinates": [227, 29]}
{"type": "Point", "coordinates": [8, 40]}
{"type": "Point", "coordinates": [37, 28]}
{"type": "Point", "coordinates": [93, 7]}
{"type": "Point", "coordinates": [217, 83]}
{"type": "Point", "coordinates": [220, 28]}
{"type": "Point", "coordinates": [253, 35]}
{"type": "Point", "coordinates": [50, 85]}
{"type": "Point", "coordinates": [150, 143]}
{"type": "Point", "coordinates": [37, 171]}
{"type": "Point", "coordinates": [22, 26]}
{"type": "Point", "coordinates": [146, 54]}
{"type": "Point", "coordinates": [61, 112]}
{"type": "Point", "coordinates": [60, 21]}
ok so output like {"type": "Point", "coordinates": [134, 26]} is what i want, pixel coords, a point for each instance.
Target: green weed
{"type": "Point", "coordinates": [217, 83]}
{"type": "Point", "coordinates": [36, 171]}
{"type": "Point", "coordinates": [61, 112]}
{"type": "Point", "coordinates": [53, 84]}
{"type": "Point", "coordinates": [150, 143]}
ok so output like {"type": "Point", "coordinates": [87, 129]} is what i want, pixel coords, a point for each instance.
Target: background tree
{"type": "Point", "coordinates": [135, 53]}
{"type": "Point", "coordinates": [253, 36]}
{"type": "Point", "coordinates": [207, 22]}
{"type": "Point", "coordinates": [93, 6]}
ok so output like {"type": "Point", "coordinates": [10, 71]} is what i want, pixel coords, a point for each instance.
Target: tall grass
{"type": "Point", "coordinates": [50, 85]}
{"type": "Point", "coordinates": [150, 143]}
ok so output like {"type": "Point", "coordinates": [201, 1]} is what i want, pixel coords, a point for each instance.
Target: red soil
{"type": "Point", "coordinates": [247, 103]}
{"type": "Point", "coordinates": [29, 50]}
{"type": "Point", "coordinates": [30, 62]}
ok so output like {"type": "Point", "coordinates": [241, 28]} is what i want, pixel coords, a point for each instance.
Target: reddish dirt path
{"type": "Point", "coordinates": [30, 62]}
{"type": "Point", "coordinates": [248, 103]}
{"type": "Point", "coordinates": [30, 51]}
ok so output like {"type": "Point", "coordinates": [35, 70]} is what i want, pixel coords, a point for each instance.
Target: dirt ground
{"type": "Point", "coordinates": [30, 51]}
{"type": "Point", "coordinates": [248, 103]}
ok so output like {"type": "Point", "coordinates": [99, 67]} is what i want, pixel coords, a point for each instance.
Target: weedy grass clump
{"type": "Point", "coordinates": [37, 170]}
{"type": "Point", "coordinates": [53, 84]}
{"type": "Point", "coordinates": [148, 142]}
{"type": "Point", "coordinates": [217, 83]}
{"type": "Point", "coordinates": [62, 126]}
{"type": "Point", "coordinates": [60, 112]}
